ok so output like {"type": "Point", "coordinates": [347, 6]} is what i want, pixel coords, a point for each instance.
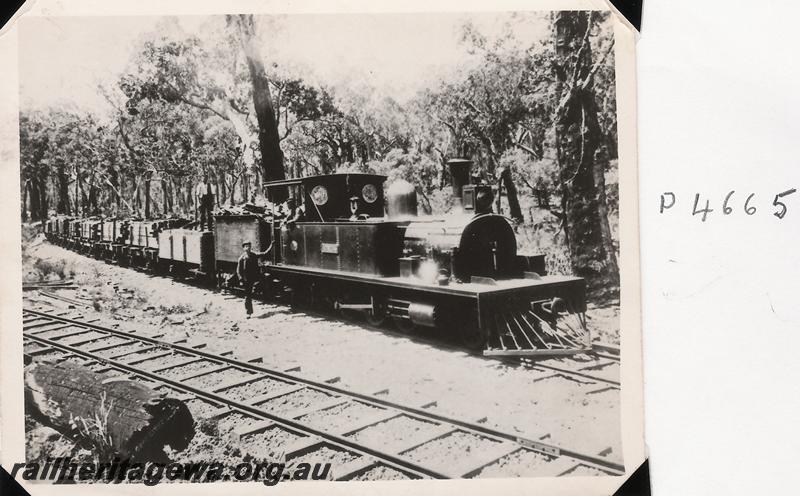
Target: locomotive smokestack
{"type": "Point", "coordinates": [459, 176]}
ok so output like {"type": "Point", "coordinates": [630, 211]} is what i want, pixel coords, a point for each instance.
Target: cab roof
{"type": "Point", "coordinates": [320, 177]}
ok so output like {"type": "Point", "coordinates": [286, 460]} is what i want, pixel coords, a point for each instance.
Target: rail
{"type": "Point", "coordinates": [37, 324]}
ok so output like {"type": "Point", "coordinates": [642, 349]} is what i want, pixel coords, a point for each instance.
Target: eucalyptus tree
{"type": "Point", "coordinates": [34, 162]}
{"type": "Point", "coordinates": [579, 137]}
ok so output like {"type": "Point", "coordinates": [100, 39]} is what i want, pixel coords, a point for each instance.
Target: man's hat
{"type": "Point", "coordinates": [246, 243]}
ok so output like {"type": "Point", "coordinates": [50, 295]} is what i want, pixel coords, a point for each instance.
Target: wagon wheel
{"type": "Point", "coordinates": [404, 325]}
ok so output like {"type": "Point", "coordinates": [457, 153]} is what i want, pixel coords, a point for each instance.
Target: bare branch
{"type": "Point", "coordinates": [473, 107]}
{"type": "Point", "coordinates": [203, 106]}
{"type": "Point", "coordinates": [590, 76]}
{"type": "Point", "coordinates": [584, 46]}
{"type": "Point", "coordinates": [236, 107]}
{"type": "Point", "coordinates": [531, 151]}
{"type": "Point", "coordinates": [449, 125]}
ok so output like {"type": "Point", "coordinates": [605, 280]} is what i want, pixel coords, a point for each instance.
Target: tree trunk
{"type": "Point", "coordinates": [114, 178]}
{"type": "Point", "coordinates": [118, 418]}
{"type": "Point", "coordinates": [62, 206]}
{"type": "Point", "coordinates": [223, 190]}
{"type": "Point", "coordinates": [598, 171]}
{"type": "Point", "coordinates": [170, 197]}
{"type": "Point", "coordinates": [43, 199]}
{"type": "Point", "coordinates": [137, 198]}
{"type": "Point", "coordinates": [577, 139]}
{"type": "Point", "coordinates": [25, 201]}
{"type": "Point", "coordinates": [268, 139]}
{"type": "Point", "coordinates": [511, 195]}
{"type": "Point", "coordinates": [35, 202]}
{"type": "Point", "coordinates": [257, 182]}
{"type": "Point", "coordinates": [93, 207]}
{"type": "Point", "coordinates": [165, 196]}
{"type": "Point", "coordinates": [176, 198]}
{"type": "Point", "coordinates": [78, 198]}
{"type": "Point", "coordinates": [190, 206]}
{"type": "Point", "coordinates": [146, 197]}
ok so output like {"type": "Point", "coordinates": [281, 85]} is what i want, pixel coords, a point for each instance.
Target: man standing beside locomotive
{"type": "Point", "coordinates": [205, 194]}
{"type": "Point", "coordinates": [248, 273]}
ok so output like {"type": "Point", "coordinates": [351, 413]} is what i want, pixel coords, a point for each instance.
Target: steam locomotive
{"type": "Point", "coordinates": [363, 250]}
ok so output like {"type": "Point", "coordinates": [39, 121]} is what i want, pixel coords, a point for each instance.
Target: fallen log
{"type": "Point", "coordinates": [116, 417]}
{"type": "Point", "coordinates": [72, 301]}
{"type": "Point", "coordinates": [31, 287]}
{"type": "Point", "coordinates": [61, 282]}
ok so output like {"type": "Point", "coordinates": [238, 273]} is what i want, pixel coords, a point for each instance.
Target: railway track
{"type": "Point", "coordinates": [363, 434]}
{"type": "Point", "coordinates": [595, 367]}
{"type": "Point", "coordinates": [601, 366]}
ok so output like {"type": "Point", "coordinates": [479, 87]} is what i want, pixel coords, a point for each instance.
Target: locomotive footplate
{"type": "Point", "coordinates": [524, 317]}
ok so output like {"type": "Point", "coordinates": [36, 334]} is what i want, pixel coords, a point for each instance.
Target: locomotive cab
{"type": "Point", "coordinates": [343, 228]}
{"type": "Point", "coordinates": [334, 197]}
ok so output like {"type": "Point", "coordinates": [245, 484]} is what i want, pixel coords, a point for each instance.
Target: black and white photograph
{"type": "Point", "coordinates": [326, 246]}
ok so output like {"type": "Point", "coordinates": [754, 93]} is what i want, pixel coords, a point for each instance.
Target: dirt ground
{"type": "Point", "coordinates": [513, 398]}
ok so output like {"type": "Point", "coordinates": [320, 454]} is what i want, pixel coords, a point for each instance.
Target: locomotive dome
{"type": "Point", "coordinates": [401, 200]}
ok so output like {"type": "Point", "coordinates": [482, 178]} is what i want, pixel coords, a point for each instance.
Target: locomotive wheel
{"type": "Point", "coordinates": [348, 315]}
{"type": "Point", "coordinates": [326, 302]}
{"type": "Point", "coordinates": [404, 325]}
{"type": "Point", "coordinates": [377, 319]}
{"type": "Point", "coordinates": [344, 297]}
